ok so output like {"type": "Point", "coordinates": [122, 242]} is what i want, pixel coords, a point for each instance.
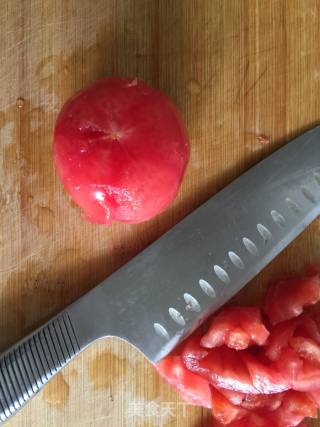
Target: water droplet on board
{"type": "Point", "coordinates": [20, 102]}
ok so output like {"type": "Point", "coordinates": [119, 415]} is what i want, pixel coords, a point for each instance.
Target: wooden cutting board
{"type": "Point", "coordinates": [238, 69]}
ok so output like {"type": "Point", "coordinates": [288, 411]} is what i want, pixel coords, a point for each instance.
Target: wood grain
{"type": "Point", "coordinates": [238, 69]}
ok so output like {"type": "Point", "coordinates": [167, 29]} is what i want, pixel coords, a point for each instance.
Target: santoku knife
{"type": "Point", "coordinates": [159, 297]}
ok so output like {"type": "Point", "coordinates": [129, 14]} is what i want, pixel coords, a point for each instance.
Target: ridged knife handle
{"type": "Point", "coordinates": [31, 363]}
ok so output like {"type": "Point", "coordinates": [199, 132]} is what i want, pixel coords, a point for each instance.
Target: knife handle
{"type": "Point", "coordinates": [27, 366]}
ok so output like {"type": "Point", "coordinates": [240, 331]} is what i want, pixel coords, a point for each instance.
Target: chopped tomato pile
{"type": "Point", "coordinates": [253, 367]}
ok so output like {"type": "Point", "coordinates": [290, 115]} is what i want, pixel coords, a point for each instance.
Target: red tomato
{"type": "Point", "coordinates": [224, 411]}
{"type": "Point", "coordinates": [287, 298]}
{"type": "Point", "coordinates": [294, 408]}
{"type": "Point", "coordinates": [120, 149]}
{"type": "Point", "coordinates": [192, 388]}
{"type": "Point", "coordinates": [265, 378]}
{"type": "Point", "coordinates": [222, 367]}
{"type": "Point", "coordinates": [237, 328]}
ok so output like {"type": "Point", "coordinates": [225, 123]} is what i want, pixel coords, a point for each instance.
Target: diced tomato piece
{"type": "Point", "coordinates": [225, 369]}
{"type": "Point", "coordinates": [192, 349]}
{"type": "Point", "coordinates": [264, 419]}
{"type": "Point", "coordinates": [235, 397]}
{"type": "Point", "coordinates": [315, 395]}
{"type": "Point", "coordinates": [254, 419]}
{"type": "Point", "coordinates": [276, 384]}
{"type": "Point", "coordinates": [281, 334]}
{"type": "Point", "coordinates": [237, 328]}
{"type": "Point", "coordinates": [265, 378]}
{"type": "Point", "coordinates": [287, 298]}
{"type": "Point", "coordinates": [302, 375]}
{"type": "Point", "coordinates": [254, 402]}
{"type": "Point", "coordinates": [222, 367]}
{"type": "Point", "coordinates": [308, 327]}
{"type": "Point", "coordinates": [306, 348]}
{"type": "Point", "coordinates": [294, 408]}
{"type": "Point", "coordinates": [224, 411]}
{"type": "Point", "coordinates": [308, 377]}
{"type": "Point", "coordinates": [261, 419]}
{"type": "Point", "coordinates": [270, 402]}
{"type": "Point", "coordinates": [191, 387]}
{"type": "Point", "coordinates": [289, 363]}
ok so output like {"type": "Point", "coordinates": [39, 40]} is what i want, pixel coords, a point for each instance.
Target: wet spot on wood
{"type": "Point", "coordinates": [56, 392]}
{"type": "Point", "coordinates": [46, 67]}
{"type": "Point", "coordinates": [74, 374]}
{"type": "Point", "coordinates": [106, 370]}
{"type": "Point", "coordinates": [193, 87]}
{"type": "Point", "coordinates": [44, 219]}
{"type": "Point", "coordinates": [20, 102]}
{"type": "Point", "coordinates": [2, 119]}
{"type": "Point", "coordinates": [263, 140]}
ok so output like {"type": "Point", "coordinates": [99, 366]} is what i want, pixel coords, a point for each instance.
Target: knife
{"type": "Point", "coordinates": [160, 296]}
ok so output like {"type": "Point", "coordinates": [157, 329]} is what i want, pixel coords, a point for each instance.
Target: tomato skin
{"type": "Point", "coordinates": [120, 149]}
{"type": "Point", "coordinates": [192, 388]}
{"type": "Point", "coordinates": [265, 377]}
{"type": "Point", "coordinates": [286, 298]}
{"type": "Point", "coordinates": [221, 366]}
{"type": "Point", "coordinates": [237, 328]}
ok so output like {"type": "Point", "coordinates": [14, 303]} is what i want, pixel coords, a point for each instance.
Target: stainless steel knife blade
{"type": "Point", "coordinates": [164, 293]}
